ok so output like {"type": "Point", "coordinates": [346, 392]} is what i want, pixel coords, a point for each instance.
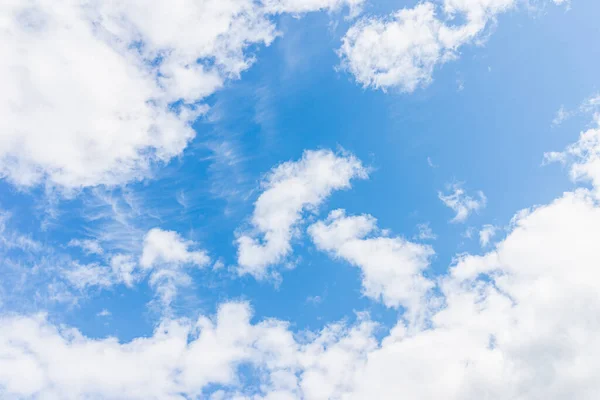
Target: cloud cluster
{"type": "Point", "coordinates": [518, 322]}
{"type": "Point", "coordinates": [98, 92]}
{"type": "Point", "coordinates": [289, 190]}
{"type": "Point", "coordinates": [164, 259]}
{"type": "Point", "coordinates": [182, 359]}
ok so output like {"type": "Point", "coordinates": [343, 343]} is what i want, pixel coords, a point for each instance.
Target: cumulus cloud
{"type": "Point", "coordinates": [391, 266]}
{"type": "Point", "coordinates": [180, 360]}
{"type": "Point", "coordinates": [99, 92]}
{"type": "Point", "coordinates": [167, 247]}
{"type": "Point", "coordinates": [461, 203]}
{"type": "Point", "coordinates": [403, 49]}
{"type": "Point", "coordinates": [39, 359]}
{"type": "Point", "coordinates": [518, 322]}
{"type": "Point", "coordinates": [289, 190]}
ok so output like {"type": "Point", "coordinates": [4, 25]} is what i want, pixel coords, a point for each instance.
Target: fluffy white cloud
{"type": "Point", "coordinates": [290, 189]}
{"type": "Point", "coordinates": [88, 87]}
{"type": "Point", "coordinates": [486, 234]}
{"type": "Point", "coordinates": [519, 322]}
{"type": "Point", "coordinates": [391, 266]}
{"type": "Point", "coordinates": [165, 253]}
{"type": "Point", "coordinates": [461, 203]}
{"type": "Point", "coordinates": [78, 109]}
{"type": "Point", "coordinates": [402, 50]}
{"type": "Point", "coordinates": [167, 247]}
{"type": "Point", "coordinates": [180, 360]}
{"type": "Point", "coordinates": [39, 360]}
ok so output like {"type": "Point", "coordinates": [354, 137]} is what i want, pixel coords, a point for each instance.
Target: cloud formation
{"type": "Point", "coordinates": [97, 93]}
{"type": "Point", "coordinates": [402, 49]}
{"type": "Point", "coordinates": [583, 156]}
{"type": "Point", "coordinates": [288, 190]}
{"type": "Point", "coordinates": [517, 322]}
{"type": "Point", "coordinates": [486, 234]}
{"type": "Point", "coordinates": [164, 259]}
{"type": "Point", "coordinates": [391, 266]}
{"type": "Point", "coordinates": [461, 203]}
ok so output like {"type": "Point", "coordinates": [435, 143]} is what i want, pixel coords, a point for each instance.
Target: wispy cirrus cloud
{"type": "Point", "coordinates": [462, 203]}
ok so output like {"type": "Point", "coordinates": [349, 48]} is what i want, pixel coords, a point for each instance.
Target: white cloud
{"type": "Point", "coordinates": [461, 203]}
{"type": "Point", "coordinates": [41, 360]}
{"type": "Point", "coordinates": [104, 313]}
{"type": "Point", "coordinates": [167, 247]}
{"type": "Point", "coordinates": [391, 266]}
{"type": "Point", "coordinates": [121, 269]}
{"type": "Point", "coordinates": [518, 322]}
{"type": "Point", "coordinates": [180, 360]}
{"type": "Point", "coordinates": [425, 232]}
{"type": "Point", "coordinates": [402, 50]}
{"type": "Point", "coordinates": [302, 6]}
{"type": "Point", "coordinates": [166, 254]}
{"type": "Point", "coordinates": [289, 190]}
{"type": "Point", "coordinates": [468, 233]}
{"type": "Point", "coordinates": [486, 233]}
{"type": "Point", "coordinates": [583, 157]}
{"type": "Point", "coordinates": [561, 115]}
{"type": "Point", "coordinates": [88, 87]}
{"type": "Point", "coordinates": [89, 246]}
{"type": "Point", "coordinates": [164, 259]}
{"type": "Point", "coordinates": [590, 105]}
{"type": "Point", "coordinates": [84, 275]}
{"type": "Point", "coordinates": [13, 239]}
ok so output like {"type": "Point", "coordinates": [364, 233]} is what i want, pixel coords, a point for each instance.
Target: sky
{"type": "Point", "coordinates": [299, 199]}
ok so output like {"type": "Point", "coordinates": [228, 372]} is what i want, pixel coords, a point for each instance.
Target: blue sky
{"type": "Point", "coordinates": [160, 167]}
